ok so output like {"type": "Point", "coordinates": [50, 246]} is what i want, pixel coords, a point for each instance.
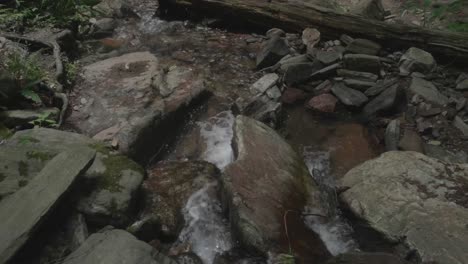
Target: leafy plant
{"type": "Point", "coordinates": [44, 120]}
{"type": "Point", "coordinates": [26, 72]}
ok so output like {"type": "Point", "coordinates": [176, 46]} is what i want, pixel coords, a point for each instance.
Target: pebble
{"type": "Point", "coordinates": [83, 101]}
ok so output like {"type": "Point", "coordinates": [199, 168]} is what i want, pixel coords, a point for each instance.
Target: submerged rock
{"type": "Point", "coordinates": [413, 200]}
{"type": "Point", "coordinates": [267, 179]}
{"type": "Point", "coordinates": [166, 192]}
{"type": "Point", "coordinates": [324, 103]}
{"type": "Point", "coordinates": [111, 182]}
{"type": "Point", "coordinates": [116, 246]}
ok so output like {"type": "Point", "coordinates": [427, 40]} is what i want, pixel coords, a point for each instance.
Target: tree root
{"type": "Point", "coordinates": [59, 69]}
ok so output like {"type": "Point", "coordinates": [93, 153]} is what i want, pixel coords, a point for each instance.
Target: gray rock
{"type": "Point", "coordinates": [363, 46]}
{"type": "Point", "coordinates": [428, 91]}
{"type": "Point", "coordinates": [261, 108]}
{"type": "Point", "coordinates": [25, 210]}
{"type": "Point", "coordinates": [463, 85]}
{"type": "Point", "coordinates": [113, 179]}
{"type": "Point", "coordinates": [461, 125]}
{"type": "Point", "coordinates": [440, 153]}
{"type": "Point", "coordinates": [264, 83]}
{"type": "Point", "coordinates": [363, 76]}
{"type": "Point", "coordinates": [346, 39]}
{"type": "Point", "coordinates": [77, 231]}
{"type": "Point", "coordinates": [392, 135]}
{"type": "Point", "coordinates": [358, 84]}
{"type": "Point", "coordinates": [116, 246]}
{"type": "Point", "coordinates": [288, 61]}
{"type": "Point", "coordinates": [264, 159]}
{"type": "Point", "coordinates": [328, 57]}
{"type": "Point", "coordinates": [367, 258]}
{"type": "Point", "coordinates": [274, 50]}
{"type": "Point", "coordinates": [325, 72]}
{"type": "Point", "coordinates": [417, 60]}
{"type": "Point", "coordinates": [275, 32]}
{"type": "Point", "coordinates": [362, 62]}
{"type": "Point", "coordinates": [125, 104]}
{"type": "Point", "coordinates": [15, 118]}
{"type": "Point", "coordinates": [415, 201]}
{"type": "Point", "coordinates": [166, 191]}
{"type": "Point", "coordinates": [384, 102]}
{"type": "Point", "coordinates": [274, 93]}
{"type": "Point", "coordinates": [411, 141]}
{"type": "Point", "coordinates": [188, 258]}
{"type": "Point", "coordinates": [348, 96]}
{"type": "Point", "coordinates": [300, 72]}
{"type": "Point", "coordinates": [380, 86]}
{"type": "Point", "coordinates": [310, 38]}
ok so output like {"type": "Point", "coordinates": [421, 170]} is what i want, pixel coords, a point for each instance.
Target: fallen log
{"type": "Point", "coordinates": [295, 15]}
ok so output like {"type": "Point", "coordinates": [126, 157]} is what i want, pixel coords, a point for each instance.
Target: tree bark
{"type": "Point", "coordinates": [295, 15]}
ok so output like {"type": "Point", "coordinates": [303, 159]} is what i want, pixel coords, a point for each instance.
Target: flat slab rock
{"type": "Point", "coordinates": [267, 179]}
{"type": "Point", "coordinates": [415, 200]}
{"type": "Point", "coordinates": [116, 246]}
{"type": "Point", "coordinates": [126, 97]}
{"type": "Point", "coordinates": [23, 211]}
{"type": "Point", "coordinates": [113, 179]}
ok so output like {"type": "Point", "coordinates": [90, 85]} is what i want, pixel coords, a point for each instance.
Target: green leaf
{"type": "Point", "coordinates": [31, 95]}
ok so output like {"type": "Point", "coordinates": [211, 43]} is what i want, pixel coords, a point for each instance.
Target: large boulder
{"type": "Point", "coordinates": [116, 246]}
{"type": "Point", "coordinates": [413, 200]}
{"type": "Point", "coordinates": [25, 210]}
{"type": "Point", "coordinates": [166, 192]}
{"type": "Point", "coordinates": [125, 99]}
{"type": "Point", "coordinates": [112, 181]}
{"type": "Point", "coordinates": [267, 179]}
{"type": "Point", "coordinates": [417, 60]}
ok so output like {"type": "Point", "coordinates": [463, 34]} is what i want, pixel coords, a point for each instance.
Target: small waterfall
{"type": "Point", "coordinates": [335, 232]}
{"type": "Point", "coordinates": [217, 133]}
{"type": "Point", "coordinates": [206, 229]}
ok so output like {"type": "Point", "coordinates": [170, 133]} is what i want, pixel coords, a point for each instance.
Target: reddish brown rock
{"type": "Point", "coordinates": [323, 103]}
{"type": "Point", "coordinates": [292, 95]}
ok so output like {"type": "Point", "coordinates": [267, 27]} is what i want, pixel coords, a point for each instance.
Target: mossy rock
{"type": "Point", "coordinates": [106, 194]}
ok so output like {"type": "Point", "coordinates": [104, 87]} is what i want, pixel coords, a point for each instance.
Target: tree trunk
{"type": "Point", "coordinates": [295, 15]}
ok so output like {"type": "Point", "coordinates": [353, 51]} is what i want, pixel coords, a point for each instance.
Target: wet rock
{"type": "Point", "coordinates": [392, 135]}
{"type": "Point", "coordinates": [273, 51]}
{"type": "Point", "coordinates": [310, 38]}
{"type": "Point", "coordinates": [387, 101]}
{"type": "Point", "coordinates": [261, 108]}
{"type": "Point", "coordinates": [188, 258]}
{"type": "Point", "coordinates": [368, 258]}
{"type": "Point", "coordinates": [285, 63]}
{"type": "Point", "coordinates": [380, 86]}
{"type": "Point", "coordinates": [265, 159]}
{"type": "Point", "coordinates": [424, 126]}
{"type": "Point", "coordinates": [363, 76]}
{"type": "Point", "coordinates": [411, 196]}
{"type": "Point", "coordinates": [324, 87]}
{"type": "Point", "coordinates": [25, 210]}
{"type": "Point", "coordinates": [428, 91]}
{"type": "Point", "coordinates": [363, 46]}
{"type": "Point", "coordinates": [358, 84]}
{"type": "Point", "coordinates": [166, 191]}
{"type": "Point", "coordinates": [77, 230]}
{"type": "Point", "coordinates": [324, 103]}
{"type": "Point", "coordinates": [328, 57]}
{"type": "Point", "coordinates": [103, 27]}
{"type": "Point", "coordinates": [325, 72]}
{"type": "Point", "coordinates": [348, 96]}
{"type": "Point", "coordinates": [362, 62]}
{"type": "Point", "coordinates": [114, 8]}
{"type": "Point", "coordinates": [292, 95]}
{"type": "Point", "coordinates": [264, 83]}
{"type": "Point", "coordinates": [125, 100]}
{"type": "Point", "coordinates": [15, 118]}
{"type": "Point", "coordinates": [463, 85]}
{"type": "Point", "coordinates": [298, 73]}
{"type": "Point", "coordinates": [461, 125]}
{"type": "Point", "coordinates": [411, 141]}
{"type": "Point", "coordinates": [116, 246]}
{"type": "Point", "coordinates": [417, 60]}
{"type": "Point", "coordinates": [111, 183]}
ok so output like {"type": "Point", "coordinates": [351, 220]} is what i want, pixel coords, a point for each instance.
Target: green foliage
{"type": "Point", "coordinates": [71, 71]}
{"type": "Point", "coordinates": [458, 27]}
{"type": "Point", "coordinates": [60, 13]}
{"type": "Point", "coordinates": [26, 72]}
{"type": "Point", "coordinates": [44, 120]}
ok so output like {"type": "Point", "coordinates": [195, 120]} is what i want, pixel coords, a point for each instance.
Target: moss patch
{"type": "Point", "coordinates": [39, 155]}
{"type": "Point", "coordinates": [5, 133]}
{"type": "Point", "coordinates": [23, 168]}
{"type": "Point", "coordinates": [100, 147]}
{"type": "Point", "coordinates": [27, 139]}
{"type": "Point", "coordinates": [115, 164]}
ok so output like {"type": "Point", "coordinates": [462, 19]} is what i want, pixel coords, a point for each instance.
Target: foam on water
{"type": "Point", "coordinates": [206, 230]}
{"type": "Point", "coordinates": [335, 232]}
{"type": "Point", "coordinates": [217, 133]}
